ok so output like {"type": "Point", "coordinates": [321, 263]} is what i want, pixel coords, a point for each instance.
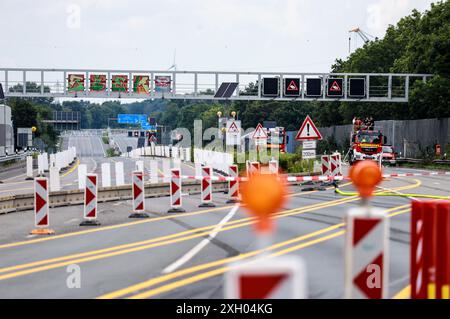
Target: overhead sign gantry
{"type": "Point", "coordinates": [208, 85]}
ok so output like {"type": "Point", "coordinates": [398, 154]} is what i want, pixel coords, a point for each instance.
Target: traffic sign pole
{"type": "Point", "coordinates": [138, 193]}
{"type": "Point", "coordinates": [175, 192]}
{"type": "Point", "coordinates": [41, 207]}
{"type": "Point", "coordinates": [90, 201]}
{"type": "Point", "coordinates": [206, 192]}
{"type": "Point", "coordinates": [366, 243]}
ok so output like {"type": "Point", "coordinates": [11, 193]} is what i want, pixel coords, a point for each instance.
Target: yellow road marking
{"type": "Point", "coordinates": [88, 231]}
{"type": "Point", "coordinates": [154, 281]}
{"type": "Point", "coordinates": [71, 169]}
{"type": "Point", "coordinates": [82, 232]}
{"type": "Point", "coordinates": [152, 243]}
{"type": "Point", "coordinates": [405, 293]}
{"type": "Point", "coordinates": [219, 271]}
{"type": "Point", "coordinates": [160, 239]}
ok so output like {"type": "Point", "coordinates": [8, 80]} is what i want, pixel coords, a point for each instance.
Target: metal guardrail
{"type": "Point", "coordinates": [419, 160]}
{"type": "Point", "coordinates": [23, 202]}
{"type": "Point", "coordinates": [12, 157]}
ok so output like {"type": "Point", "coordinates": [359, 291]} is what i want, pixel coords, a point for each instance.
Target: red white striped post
{"type": "Point", "coordinates": [138, 193]}
{"type": "Point", "coordinates": [233, 185]}
{"type": "Point", "coordinates": [90, 201]}
{"type": "Point", "coordinates": [325, 161]}
{"type": "Point", "coordinates": [254, 168]}
{"type": "Point", "coordinates": [41, 207]}
{"type": "Point", "coordinates": [366, 254]}
{"type": "Point", "coordinates": [175, 192]}
{"type": "Point", "coordinates": [206, 193]}
{"type": "Point", "coordinates": [430, 250]}
{"type": "Point", "coordinates": [443, 247]}
{"type": "Point", "coordinates": [335, 164]}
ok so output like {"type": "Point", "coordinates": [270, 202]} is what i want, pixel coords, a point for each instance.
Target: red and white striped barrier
{"type": "Point", "coordinates": [41, 209]}
{"type": "Point", "coordinates": [430, 250]}
{"type": "Point", "coordinates": [335, 164]}
{"type": "Point", "coordinates": [253, 168]}
{"type": "Point", "coordinates": [366, 254]}
{"type": "Point", "coordinates": [138, 193]}
{"type": "Point", "coordinates": [175, 192]}
{"type": "Point", "coordinates": [206, 192]}
{"type": "Point", "coordinates": [325, 161]}
{"type": "Point", "coordinates": [233, 185]}
{"type": "Point", "coordinates": [90, 201]}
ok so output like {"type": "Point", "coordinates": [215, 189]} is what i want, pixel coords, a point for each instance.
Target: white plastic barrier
{"type": "Point", "coordinates": [119, 174]}
{"type": "Point", "coordinates": [198, 169]}
{"type": "Point", "coordinates": [176, 163]}
{"type": "Point", "coordinates": [153, 172]}
{"type": "Point", "coordinates": [45, 162]}
{"type": "Point", "coordinates": [55, 184]}
{"type": "Point", "coordinates": [29, 167]}
{"type": "Point", "coordinates": [40, 161]}
{"type": "Point", "coordinates": [166, 171]}
{"type": "Point", "coordinates": [106, 175]}
{"type": "Point", "coordinates": [82, 172]}
{"type": "Point", "coordinates": [52, 160]}
{"type": "Point", "coordinates": [140, 166]}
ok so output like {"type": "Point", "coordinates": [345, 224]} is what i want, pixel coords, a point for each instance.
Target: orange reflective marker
{"type": "Point", "coordinates": [263, 195]}
{"type": "Point", "coordinates": [365, 175]}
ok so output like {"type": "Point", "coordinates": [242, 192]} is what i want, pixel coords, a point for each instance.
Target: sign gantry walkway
{"type": "Point", "coordinates": [206, 85]}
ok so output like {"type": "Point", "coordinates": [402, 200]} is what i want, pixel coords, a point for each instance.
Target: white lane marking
{"type": "Point", "coordinates": [195, 250]}
{"type": "Point", "coordinates": [30, 236]}
{"type": "Point", "coordinates": [71, 221]}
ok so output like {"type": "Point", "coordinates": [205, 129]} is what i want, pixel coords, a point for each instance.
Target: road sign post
{"type": "Point", "coordinates": [366, 242]}
{"type": "Point", "coordinates": [41, 207]}
{"type": "Point", "coordinates": [233, 185]}
{"type": "Point", "coordinates": [138, 193]}
{"type": "Point", "coordinates": [90, 201]}
{"type": "Point", "coordinates": [206, 192]}
{"type": "Point", "coordinates": [175, 192]}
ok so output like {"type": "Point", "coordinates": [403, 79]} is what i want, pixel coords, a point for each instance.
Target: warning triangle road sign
{"type": "Point", "coordinates": [259, 133]}
{"type": "Point", "coordinates": [308, 131]}
{"type": "Point", "coordinates": [335, 87]}
{"type": "Point", "coordinates": [292, 86]}
{"type": "Point", "coordinates": [233, 128]}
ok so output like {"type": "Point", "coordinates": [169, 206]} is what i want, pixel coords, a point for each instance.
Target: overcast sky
{"type": "Point", "coordinates": [253, 35]}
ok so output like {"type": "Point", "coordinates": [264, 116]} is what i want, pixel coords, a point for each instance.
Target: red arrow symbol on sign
{"type": "Point", "coordinates": [89, 196]}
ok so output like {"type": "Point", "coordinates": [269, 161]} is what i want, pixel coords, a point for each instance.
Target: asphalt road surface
{"type": "Point", "coordinates": [186, 255]}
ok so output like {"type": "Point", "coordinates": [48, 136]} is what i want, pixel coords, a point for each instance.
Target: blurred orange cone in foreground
{"type": "Point", "coordinates": [263, 195]}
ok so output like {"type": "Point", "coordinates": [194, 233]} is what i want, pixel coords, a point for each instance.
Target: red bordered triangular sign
{"type": "Point", "coordinates": [292, 86]}
{"type": "Point", "coordinates": [335, 87]}
{"type": "Point", "coordinates": [308, 131]}
{"type": "Point", "coordinates": [233, 128]}
{"type": "Point", "coordinates": [259, 133]}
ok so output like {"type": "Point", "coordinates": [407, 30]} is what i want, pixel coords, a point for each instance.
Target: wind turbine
{"type": "Point", "coordinates": [174, 64]}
